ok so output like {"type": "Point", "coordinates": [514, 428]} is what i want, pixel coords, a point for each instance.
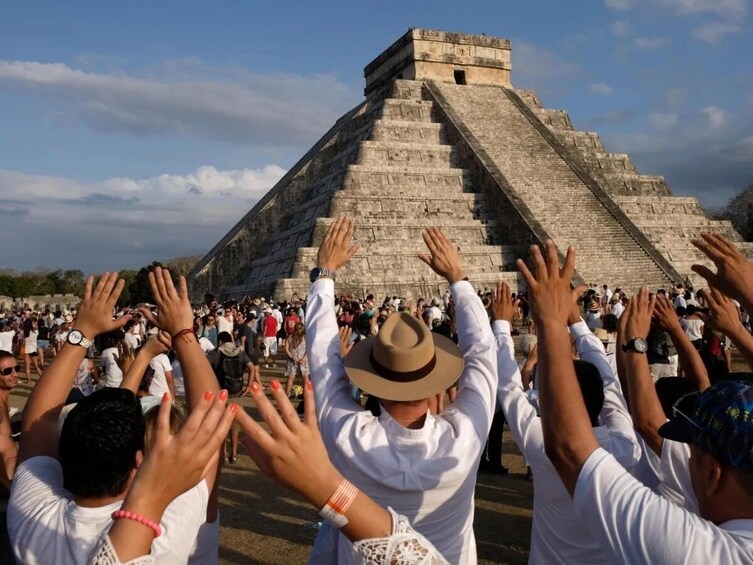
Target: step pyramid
{"type": "Point", "coordinates": [443, 139]}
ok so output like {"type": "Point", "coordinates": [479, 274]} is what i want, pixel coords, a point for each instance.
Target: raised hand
{"type": "Point", "coordinates": [161, 343]}
{"type": "Point", "coordinates": [502, 306]}
{"type": "Point", "coordinates": [639, 311]}
{"type": "Point", "coordinates": [345, 344]}
{"type": "Point", "coordinates": [734, 276]}
{"type": "Point", "coordinates": [549, 287]}
{"type": "Point", "coordinates": [94, 315]}
{"type": "Point", "coordinates": [125, 357]}
{"type": "Point", "coordinates": [575, 295]}
{"type": "Point", "coordinates": [665, 314]}
{"type": "Point", "coordinates": [723, 315]}
{"type": "Point", "coordinates": [292, 453]}
{"type": "Point", "coordinates": [337, 247]}
{"type": "Point", "coordinates": [173, 305]}
{"type": "Point", "coordinates": [443, 256]}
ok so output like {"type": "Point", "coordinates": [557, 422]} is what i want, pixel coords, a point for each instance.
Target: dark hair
{"type": "Point", "coordinates": [112, 339]}
{"type": "Point", "coordinates": [129, 324]}
{"type": "Point", "coordinates": [28, 326]}
{"type": "Point", "coordinates": [670, 389]}
{"type": "Point", "coordinates": [99, 442]}
{"type": "Point", "coordinates": [6, 355]}
{"type": "Point", "coordinates": [224, 337]}
{"type": "Point", "coordinates": [591, 387]}
{"type": "Point", "coordinates": [610, 323]}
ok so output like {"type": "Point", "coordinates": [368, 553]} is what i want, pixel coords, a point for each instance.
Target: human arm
{"type": "Point", "coordinates": [526, 373]}
{"type": "Point", "coordinates": [690, 359]}
{"type": "Point", "coordinates": [734, 272]}
{"type": "Point", "coordinates": [724, 317]}
{"type": "Point", "coordinates": [645, 408]}
{"type": "Point", "coordinates": [520, 414]}
{"type": "Point", "coordinates": [614, 413]}
{"type": "Point", "coordinates": [173, 465]}
{"type": "Point", "coordinates": [40, 421]}
{"type": "Point", "coordinates": [8, 449]}
{"type": "Point", "coordinates": [170, 382]}
{"type": "Point", "coordinates": [477, 387]}
{"type": "Point", "coordinates": [331, 385]}
{"type": "Point", "coordinates": [568, 437]}
{"type": "Point", "coordinates": [160, 343]}
{"type": "Point", "coordinates": [293, 455]}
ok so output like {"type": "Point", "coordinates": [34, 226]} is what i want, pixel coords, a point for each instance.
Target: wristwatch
{"type": "Point", "coordinates": [75, 337]}
{"type": "Point", "coordinates": [319, 272]}
{"type": "Point", "coordinates": [637, 344]}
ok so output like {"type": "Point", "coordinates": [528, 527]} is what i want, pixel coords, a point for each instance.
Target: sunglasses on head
{"type": "Point", "coordinates": [9, 370]}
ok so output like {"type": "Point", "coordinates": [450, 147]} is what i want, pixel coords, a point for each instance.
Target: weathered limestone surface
{"type": "Point", "coordinates": [485, 161]}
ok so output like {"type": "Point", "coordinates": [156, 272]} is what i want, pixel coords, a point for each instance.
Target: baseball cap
{"type": "Point", "coordinates": [718, 420]}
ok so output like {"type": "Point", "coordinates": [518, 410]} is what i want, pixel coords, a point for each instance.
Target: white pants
{"type": "Point", "coordinates": [270, 346]}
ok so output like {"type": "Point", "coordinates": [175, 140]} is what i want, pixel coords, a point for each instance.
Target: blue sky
{"type": "Point", "coordinates": [143, 130]}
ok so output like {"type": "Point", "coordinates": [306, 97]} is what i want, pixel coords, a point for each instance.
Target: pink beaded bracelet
{"type": "Point", "coordinates": [154, 526]}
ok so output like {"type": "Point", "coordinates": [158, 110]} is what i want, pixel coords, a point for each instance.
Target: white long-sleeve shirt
{"type": "Point", "coordinates": [427, 475]}
{"type": "Point", "coordinates": [557, 534]}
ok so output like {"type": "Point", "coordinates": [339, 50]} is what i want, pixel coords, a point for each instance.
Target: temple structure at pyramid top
{"type": "Point", "coordinates": [443, 138]}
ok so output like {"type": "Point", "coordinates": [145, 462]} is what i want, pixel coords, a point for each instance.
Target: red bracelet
{"type": "Point", "coordinates": [154, 526]}
{"type": "Point", "coordinates": [181, 333]}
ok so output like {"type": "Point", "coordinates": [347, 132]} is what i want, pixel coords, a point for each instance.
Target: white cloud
{"type": "Point", "coordinates": [537, 68]}
{"type": "Point", "coordinates": [717, 116]}
{"type": "Point", "coordinates": [124, 222]}
{"type": "Point", "coordinates": [663, 120]}
{"type": "Point", "coordinates": [714, 32]}
{"type": "Point", "coordinates": [188, 98]}
{"type": "Point", "coordinates": [620, 28]}
{"type": "Point", "coordinates": [601, 88]}
{"type": "Point", "coordinates": [730, 9]}
{"type": "Point", "coordinates": [651, 43]}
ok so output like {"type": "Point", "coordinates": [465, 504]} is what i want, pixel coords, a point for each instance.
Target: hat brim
{"type": "Point", "coordinates": [678, 430]}
{"type": "Point", "coordinates": [447, 370]}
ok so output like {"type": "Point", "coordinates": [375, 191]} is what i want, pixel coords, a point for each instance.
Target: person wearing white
{"type": "Point", "coordinates": [618, 309]}
{"type": "Point", "coordinates": [557, 534]}
{"type": "Point", "coordinates": [225, 322]}
{"type": "Point", "coordinates": [162, 380]}
{"type": "Point", "coordinates": [109, 365]}
{"type": "Point", "coordinates": [426, 472]}
{"type": "Point", "coordinates": [7, 333]}
{"type": "Point", "coordinates": [41, 505]}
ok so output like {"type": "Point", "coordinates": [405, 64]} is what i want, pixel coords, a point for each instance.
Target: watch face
{"type": "Point", "coordinates": [315, 274]}
{"type": "Point", "coordinates": [641, 345]}
{"type": "Point", "coordinates": [75, 337]}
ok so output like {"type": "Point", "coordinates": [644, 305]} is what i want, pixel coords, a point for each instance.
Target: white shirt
{"type": "Point", "coordinates": [693, 328]}
{"type": "Point", "coordinates": [557, 533]}
{"type": "Point", "coordinates": [593, 319]}
{"type": "Point", "coordinates": [680, 301]}
{"type": "Point", "coordinates": [618, 309]}
{"type": "Point", "coordinates": [429, 474]}
{"type": "Point", "coordinates": [225, 325]}
{"type": "Point", "coordinates": [161, 365]}
{"type": "Point", "coordinates": [6, 340]}
{"type": "Point", "coordinates": [635, 525]}
{"type": "Point", "coordinates": [46, 526]}
{"type": "Point", "coordinates": [113, 374]}
{"type": "Point", "coordinates": [132, 341]}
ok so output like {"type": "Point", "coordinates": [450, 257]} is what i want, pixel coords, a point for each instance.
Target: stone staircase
{"type": "Point", "coordinates": [563, 204]}
{"type": "Point", "coordinates": [669, 222]}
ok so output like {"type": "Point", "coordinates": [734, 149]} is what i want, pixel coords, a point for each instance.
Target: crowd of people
{"type": "Point", "coordinates": [636, 430]}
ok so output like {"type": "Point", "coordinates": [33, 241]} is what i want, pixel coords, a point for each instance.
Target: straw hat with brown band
{"type": "Point", "coordinates": [404, 361]}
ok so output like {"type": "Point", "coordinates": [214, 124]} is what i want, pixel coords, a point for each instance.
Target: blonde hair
{"type": "Point", "coordinates": [177, 419]}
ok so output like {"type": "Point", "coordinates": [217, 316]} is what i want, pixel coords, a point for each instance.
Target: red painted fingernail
{"type": "Point", "coordinates": [275, 385]}
{"type": "Point", "coordinates": [223, 395]}
{"type": "Point", "coordinates": [166, 397]}
{"type": "Point", "coordinates": [233, 408]}
{"type": "Point", "coordinates": [255, 387]}
{"type": "Point", "coordinates": [208, 395]}
{"type": "Point", "coordinates": [309, 386]}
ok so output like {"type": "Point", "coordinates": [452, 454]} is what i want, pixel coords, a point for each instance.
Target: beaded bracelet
{"type": "Point", "coordinates": [154, 526]}
{"type": "Point", "coordinates": [339, 503]}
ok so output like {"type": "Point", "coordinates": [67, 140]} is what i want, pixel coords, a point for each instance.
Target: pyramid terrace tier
{"type": "Point", "coordinates": [427, 287]}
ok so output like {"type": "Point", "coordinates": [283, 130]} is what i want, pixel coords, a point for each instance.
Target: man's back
{"type": "Point", "coordinates": [41, 509]}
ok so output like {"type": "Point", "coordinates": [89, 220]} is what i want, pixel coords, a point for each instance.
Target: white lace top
{"type": "Point", "coordinates": [405, 546]}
